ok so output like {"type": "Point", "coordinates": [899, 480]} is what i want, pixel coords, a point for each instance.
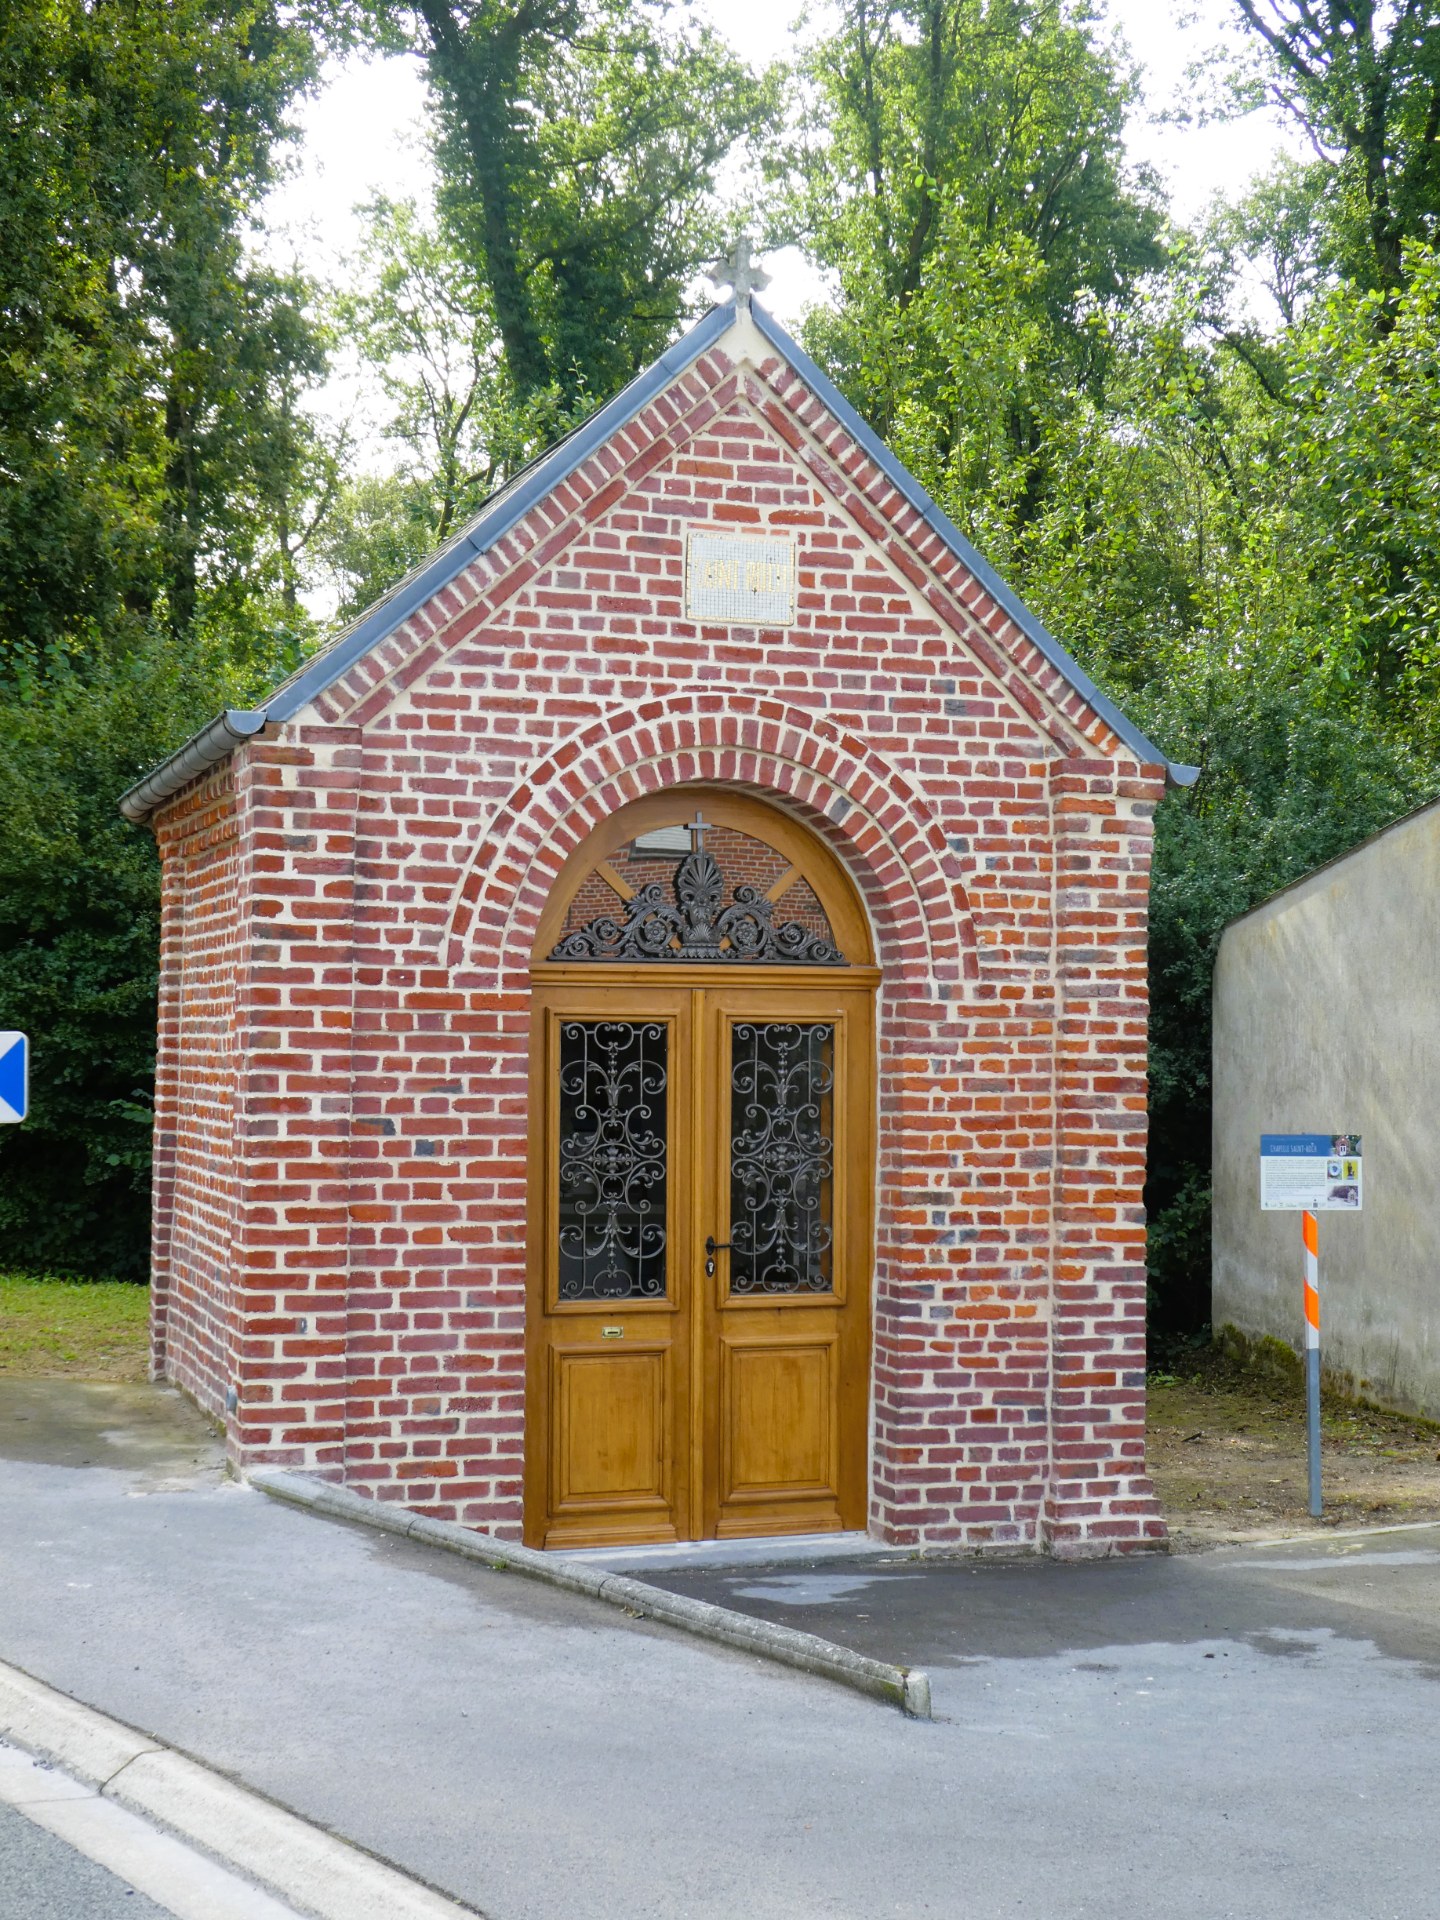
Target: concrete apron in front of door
{"type": "Point", "coordinates": [905, 1687]}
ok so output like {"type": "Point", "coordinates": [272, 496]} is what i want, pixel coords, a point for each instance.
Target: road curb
{"type": "Point", "coordinates": [905, 1687]}
{"type": "Point", "coordinates": [1323, 1533]}
{"type": "Point", "coordinates": [301, 1864]}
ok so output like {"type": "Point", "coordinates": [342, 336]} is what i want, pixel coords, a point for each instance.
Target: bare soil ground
{"type": "Point", "coordinates": [1227, 1455]}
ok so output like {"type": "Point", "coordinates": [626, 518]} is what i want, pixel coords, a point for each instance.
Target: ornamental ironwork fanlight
{"type": "Point", "coordinates": [696, 925]}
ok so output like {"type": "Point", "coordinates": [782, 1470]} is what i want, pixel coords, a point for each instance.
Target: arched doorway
{"type": "Point", "coordinates": [701, 1182]}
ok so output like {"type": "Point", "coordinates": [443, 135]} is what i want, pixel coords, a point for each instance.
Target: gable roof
{"type": "Point", "coordinates": [531, 484]}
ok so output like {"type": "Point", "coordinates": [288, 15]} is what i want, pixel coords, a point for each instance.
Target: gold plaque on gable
{"type": "Point", "coordinates": [740, 580]}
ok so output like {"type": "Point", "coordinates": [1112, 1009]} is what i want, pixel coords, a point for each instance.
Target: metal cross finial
{"type": "Point", "coordinates": [699, 827]}
{"type": "Point", "coordinates": [739, 272]}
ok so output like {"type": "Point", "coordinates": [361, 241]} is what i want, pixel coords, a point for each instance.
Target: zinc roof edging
{"type": "Point", "coordinates": [940, 524]}
{"type": "Point", "coordinates": [216, 740]}
{"type": "Point", "coordinates": [204, 750]}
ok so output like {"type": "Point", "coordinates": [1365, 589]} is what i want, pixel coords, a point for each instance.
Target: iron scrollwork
{"type": "Point", "coordinates": [613, 1097]}
{"type": "Point", "coordinates": [782, 1157]}
{"type": "Point", "coordinates": [697, 926]}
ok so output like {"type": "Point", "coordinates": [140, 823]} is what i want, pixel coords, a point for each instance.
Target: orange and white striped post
{"type": "Point", "coordinates": [1311, 1231]}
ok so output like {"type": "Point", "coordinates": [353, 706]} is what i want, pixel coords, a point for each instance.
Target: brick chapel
{"type": "Point", "coordinates": [653, 1016]}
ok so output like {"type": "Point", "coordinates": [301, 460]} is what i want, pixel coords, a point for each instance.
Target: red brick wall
{"type": "Point", "coordinates": [193, 1308]}
{"type": "Point", "coordinates": [398, 846]}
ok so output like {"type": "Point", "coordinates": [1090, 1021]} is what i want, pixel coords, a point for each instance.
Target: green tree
{"type": "Point", "coordinates": [145, 359]}
{"type": "Point", "coordinates": [161, 482]}
{"type": "Point", "coordinates": [580, 141]}
{"type": "Point", "coordinates": [1362, 462]}
{"type": "Point", "coordinates": [963, 176]}
{"type": "Point", "coordinates": [420, 315]}
{"type": "Point", "coordinates": [381, 526]}
{"type": "Point", "coordinates": [1363, 80]}
{"type": "Point", "coordinates": [79, 900]}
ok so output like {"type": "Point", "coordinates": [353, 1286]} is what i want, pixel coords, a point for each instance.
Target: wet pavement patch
{"type": "Point", "coordinates": [948, 1613]}
{"type": "Point", "coordinates": [151, 1431]}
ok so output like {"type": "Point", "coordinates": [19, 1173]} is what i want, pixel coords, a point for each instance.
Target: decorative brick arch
{"type": "Point", "coordinates": [868, 812]}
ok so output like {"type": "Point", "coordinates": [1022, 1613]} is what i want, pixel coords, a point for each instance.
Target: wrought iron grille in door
{"type": "Point", "coordinates": [613, 1151]}
{"type": "Point", "coordinates": [684, 917]}
{"type": "Point", "coordinates": [782, 1157]}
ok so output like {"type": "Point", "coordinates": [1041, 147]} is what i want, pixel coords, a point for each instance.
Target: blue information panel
{"type": "Point", "coordinates": [14, 1077]}
{"type": "Point", "coordinates": [1310, 1172]}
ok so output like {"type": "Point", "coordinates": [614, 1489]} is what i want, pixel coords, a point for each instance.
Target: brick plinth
{"type": "Point", "coordinates": [351, 905]}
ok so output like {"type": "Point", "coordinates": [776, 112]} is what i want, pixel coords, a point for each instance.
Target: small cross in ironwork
{"type": "Point", "coordinates": [699, 827]}
{"type": "Point", "coordinates": [739, 272]}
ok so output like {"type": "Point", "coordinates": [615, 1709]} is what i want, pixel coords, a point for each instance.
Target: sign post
{"type": "Point", "coordinates": [1311, 1173]}
{"type": "Point", "coordinates": [1310, 1228]}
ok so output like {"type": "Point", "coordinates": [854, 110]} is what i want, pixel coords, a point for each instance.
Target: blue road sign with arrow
{"type": "Point", "coordinates": [14, 1077]}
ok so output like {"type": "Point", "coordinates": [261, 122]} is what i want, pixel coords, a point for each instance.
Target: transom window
{"type": "Point", "coordinates": [699, 891]}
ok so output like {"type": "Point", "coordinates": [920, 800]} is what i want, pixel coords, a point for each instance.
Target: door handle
{"type": "Point", "coordinates": [712, 1247]}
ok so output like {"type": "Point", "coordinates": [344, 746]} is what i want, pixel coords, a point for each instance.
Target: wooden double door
{"type": "Point", "coordinates": [701, 1194]}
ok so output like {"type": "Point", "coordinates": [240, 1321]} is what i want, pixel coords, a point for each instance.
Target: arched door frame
{"type": "Point", "coordinates": [585, 987]}
{"type": "Point", "coordinates": [728, 807]}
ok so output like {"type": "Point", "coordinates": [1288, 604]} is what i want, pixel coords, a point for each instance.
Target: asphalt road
{"type": "Point", "coordinates": [1248, 1734]}
{"type": "Point", "coordinates": [43, 1879]}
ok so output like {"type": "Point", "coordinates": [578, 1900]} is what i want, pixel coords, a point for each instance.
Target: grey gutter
{"type": "Point", "coordinates": [939, 523]}
{"type": "Point", "coordinates": [208, 747]}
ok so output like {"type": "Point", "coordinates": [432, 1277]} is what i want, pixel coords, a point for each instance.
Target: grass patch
{"type": "Point", "coordinates": [92, 1329]}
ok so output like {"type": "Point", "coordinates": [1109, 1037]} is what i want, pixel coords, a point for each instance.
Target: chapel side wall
{"type": "Point", "coordinates": [193, 1306]}
{"type": "Point", "coordinates": [1327, 1016]}
{"type": "Point", "coordinates": [296, 1124]}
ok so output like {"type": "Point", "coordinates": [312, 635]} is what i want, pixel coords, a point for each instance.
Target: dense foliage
{"type": "Point", "coordinates": [1232, 522]}
{"type": "Point", "coordinates": [154, 465]}
{"type": "Point", "coordinates": [578, 142]}
{"type": "Point", "coordinates": [1232, 526]}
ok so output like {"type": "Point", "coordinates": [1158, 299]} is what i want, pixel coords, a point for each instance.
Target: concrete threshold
{"type": "Point", "coordinates": [905, 1687]}
{"type": "Point", "coordinates": [714, 1556]}
{"type": "Point", "coordinates": [114, 1767]}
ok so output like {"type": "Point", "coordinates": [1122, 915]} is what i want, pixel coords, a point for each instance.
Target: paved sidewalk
{"type": "Point", "coordinates": [1200, 1737]}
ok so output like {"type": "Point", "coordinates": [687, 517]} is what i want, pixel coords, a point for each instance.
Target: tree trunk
{"type": "Point", "coordinates": [481, 75]}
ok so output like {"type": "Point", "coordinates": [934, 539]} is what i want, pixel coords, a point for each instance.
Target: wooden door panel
{"type": "Point", "coordinates": [610, 1451]}
{"type": "Point", "coordinates": [777, 1419]}
{"type": "Point", "coordinates": [788, 1179]}
{"type": "Point", "coordinates": [608, 1416]}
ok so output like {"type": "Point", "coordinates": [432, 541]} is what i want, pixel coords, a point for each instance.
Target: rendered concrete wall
{"type": "Point", "coordinates": [1327, 1018]}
